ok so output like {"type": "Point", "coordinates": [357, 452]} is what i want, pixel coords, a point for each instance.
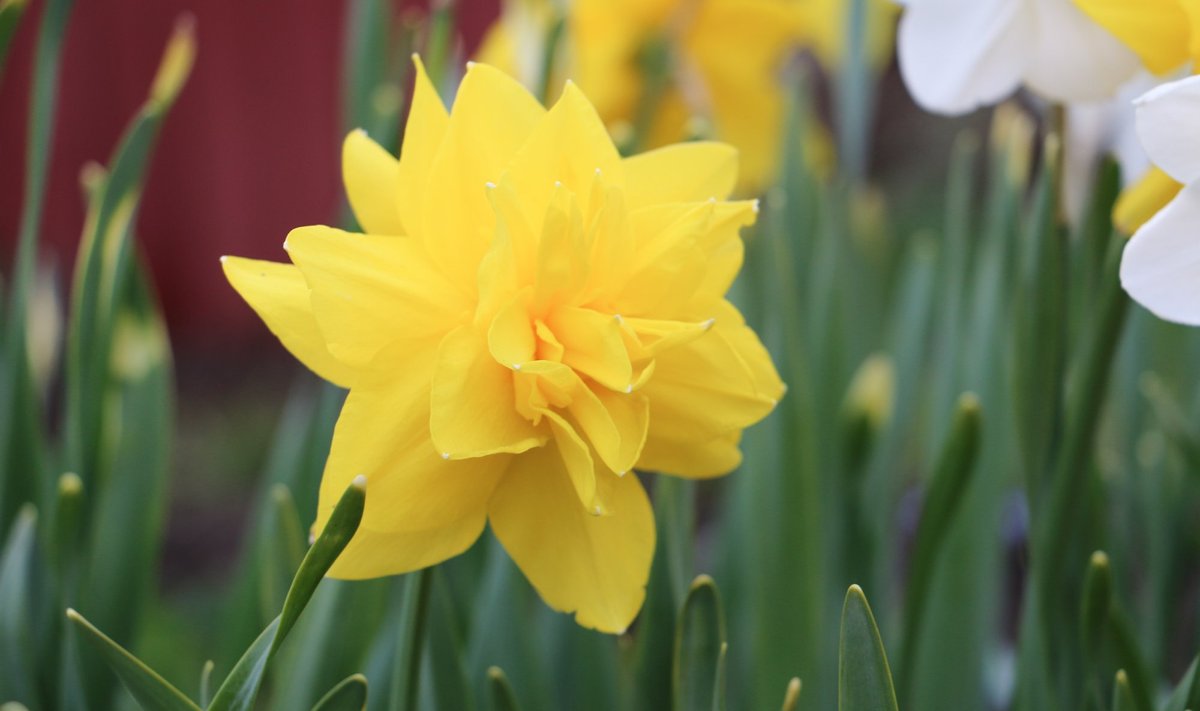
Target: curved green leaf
{"type": "Point", "coordinates": [150, 690]}
{"type": "Point", "coordinates": [350, 695]}
{"type": "Point", "coordinates": [240, 688]}
{"type": "Point", "coordinates": [864, 679]}
{"type": "Point", "coordinates": [699, 637]}
{"type": "Point", "coordinates": [503, 698]}
{"type": "Point", "coordinates": [16, 637]}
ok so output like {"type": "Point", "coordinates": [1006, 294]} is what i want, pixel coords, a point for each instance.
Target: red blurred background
{"type": "Point", "coordinates": [249, 151]}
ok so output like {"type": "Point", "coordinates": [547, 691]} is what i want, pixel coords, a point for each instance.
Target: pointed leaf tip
{"type": "Point", "coordinates": [864, 678]}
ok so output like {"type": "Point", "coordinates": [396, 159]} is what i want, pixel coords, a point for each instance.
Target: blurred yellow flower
{"type": "Point", "coordinates": [525, 320]}
{"type": "Point", "coordinates": [1165, 34]}
{"type": "Point", "coordinates": [654, 67]}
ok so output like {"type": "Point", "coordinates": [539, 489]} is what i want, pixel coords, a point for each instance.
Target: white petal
{"type": "Point", "coordinates": [958, 55]}
{"type": "Point", "coordinates": [1166, 124]}
{"type": "Point", "coordinates": [1161, 265]}
{"type": "Point", "coordinates": [1072, 57]}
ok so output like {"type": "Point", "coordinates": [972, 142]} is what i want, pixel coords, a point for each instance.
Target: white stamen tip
{"type": "Point", "coordinates": [285, 244]}
{"type": "Point", "coordinates": [489, 185]}
{"type": "Point", "coordinates": [445, 455]}
{"type": "Point", "coordinates": [558, 183]}
{"type": "Point", "coordinates": [708, 324]}
{"type": "Point", "coordinates": [223, 258]}
{"type": "Point", "coordinates": [516, 366]}
{"type": "Point", "coordinates": [360, 482]}
{"type": "Point", "coordinates": [597, 511]}
{"type": "Point", "coordinates": [619, 318]}
{"type": "Point", "coordinates": [712, 200]}
{"type": "Point", "coordinates": [470, 65]}
{"type": "Point", "coordinates": [623, 472]}
{"type": "Point", "coordinates": [312, 538]}
{"type": "Point", "coordinates": [361, 131]}
{"type": "Point", "coordinates": [629, 388]}
{"type": "Point", "coordinates": [755, 205]}
{"type": "Point", "coordinates": [598, 171]}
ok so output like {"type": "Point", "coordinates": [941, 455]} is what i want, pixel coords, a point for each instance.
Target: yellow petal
{"type": "Point", "coordinates": [709, 388]}
{"type": "Point", "coordinates": [595, 566]}
{"type": "Point", "coordinates": [686, 457]}
{"type": "Point", "coordinates": [383, 434]}
{"type": "Point", "coordinates": [566, 150]}
{"type": "Point", "coordinates": [372, 178]}
{"type": "Point", "coordinates": [614, 423]}
{"type": "Point", "coordinates": [427, 122]}
{"type": "Point", "coordinates": [474, 402]}
{"type": "Point", "coordinates": [279, 295]}
{"type": "Point", "coordinates": [562, 258]}
{"type": "Point", "coordinates": [369, 291]}
{"type": "Point", "coordinates": [491, 119]}
{"type": "Point", "coordinates": [1143, 199]}
{"type": "Point", "coordinates": [682, 172]}
{"type": "Point", "coordinates": [593, 345]}
{"type": "Point", "coordinates": [1156, 30]}
{"type": "Point", "coordinates": [577, 461]}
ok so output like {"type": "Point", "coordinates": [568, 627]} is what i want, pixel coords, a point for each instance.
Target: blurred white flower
{"type": "Point", "coordinates": [959, 55]}
{"type": "Point", "coordinates": [1161, 265]}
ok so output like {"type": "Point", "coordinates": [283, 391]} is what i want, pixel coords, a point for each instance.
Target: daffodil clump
{"type": "Point", "coordinates": [525, 319]}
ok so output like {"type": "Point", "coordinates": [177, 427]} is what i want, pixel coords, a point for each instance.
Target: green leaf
{"type": "Point", "coordinates": [240, 688]}
{"type": "Point", "coordinates": [720, 683]}
{"type": "Point", "coordinates": [10, 15]}
{"type": "Point", "coordinates": [791, 696]}
{"type": "Point", "coordinates": [503, 698]}
{"type": "Point", "coordinates": [1097, 601]}
{"type": "Point", "coordinates": [283, 551]}
{"type": "Point", "coordinates": [1187, 693]}
{"type": "Point", "coordinates": [16, 635]}
{"type": "Point", "coordinates": [699, 637]}
{"type": "Point", "coordinates": [950, 481]}
{"type": "Point", "coordinates": [350, 695]}
{"type": "Point", "coordinates": [150, 690]}
{"type": "Point", "coordinates": [864, 679]}
{"type": "Point", "coordinates": [206, 683]}
{"type": "Point", "coordinates": [1122, 695]}
{"type": "Point", "coordinates": [451, 686]}
{"type": "Point", "coordinates": [406, 674]}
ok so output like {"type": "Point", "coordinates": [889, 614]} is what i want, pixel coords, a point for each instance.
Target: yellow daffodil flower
{"type": "Point", "coordinates": [1160, 267]}
{"type": "Point", "coordinates": [525, 320]}
{"type": "Point", "coordinates": [959, 55]}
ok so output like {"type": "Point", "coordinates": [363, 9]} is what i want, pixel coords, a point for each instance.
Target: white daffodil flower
{"type": "Point", "coordinates": [1161, 265]}
{"type": "Point", "coordinates": [959, 55]}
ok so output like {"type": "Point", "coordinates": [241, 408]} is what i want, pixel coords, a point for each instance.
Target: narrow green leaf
{"type": "Point", "coordinates": [350, 695]}
{"type": "Point", "coordinates": [406, 674]}
{"type": "Point", "coordinates": [1185, 694]}
{"type": "Point", "coordinates": [699, 637]}
{"type": "Point", "coordinates": [864, 679]}
{"type": "Point", "coordinates": [1122, 695]}
{"type": "Point", "coordinates": [503, 698]}
{"type": "Point", "coordinates": [20, 432]}
{"type": "Point", "coordinates": [10, 15]}
{"type": "Point", "coordinates": [791, 696]}
{"type": "Point", "coordinates": [1040, 325]}
{"type": "Point", "coordinates": [451, 686]}
{"type": "Point", "coordinates": [240, 688]}
{"type": "Point", "coordinates": [1128, 655]}
{"type": "Point", "coordinates": [951, 477]}
{"type": "Point", "coordinates": [206, 683]}
{"type": "Point", "coordinates": [719, 701]}
{"type": "Point", "coordinates": [1097, 601]}
{"type": "Point", "coordinates": [68, 511]}
{"type": "Point", "coordinates": [150, 690]}
{"type": "Point", "coordinates": [16, 635]}
{"type": "Point", "coordinates": [280, 558]}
